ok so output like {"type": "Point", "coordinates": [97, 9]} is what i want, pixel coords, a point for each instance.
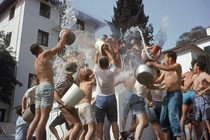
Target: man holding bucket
{"type": "Point", "coordinates": [70, 113]}
{"type": "Point", "coordinates": [106, 103]}
{"type": "Point", "coordinates": [44, 93]}
{"type": "Point", "coordinates": [172, 103]}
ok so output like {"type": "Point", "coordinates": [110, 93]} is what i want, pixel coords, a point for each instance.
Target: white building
{"type": "Point", "coordinates": [33, 21]}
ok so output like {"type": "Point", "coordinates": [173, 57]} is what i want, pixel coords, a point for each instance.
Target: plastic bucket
{"type": "Point", "coordinates": [29, 113]}
{"type": "Point", "coordinates": [73, 95]}
{"type": "Point", "coordinates": [99, 46]}
{"type": "Point", "coordinates": [145, 75]}
{"type": "Point", "coordinates": [70, 37]}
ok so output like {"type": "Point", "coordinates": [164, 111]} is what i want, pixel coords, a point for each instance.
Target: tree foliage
{"type": "Point", "coordinates": [7, 71]}
{"type": "Point", "coordinates": [195, 34]}
{"type": "Point", "coordinates": [128, 14]}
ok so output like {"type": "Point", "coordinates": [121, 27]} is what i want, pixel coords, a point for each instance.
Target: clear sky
{"type": "Point", "coordinates": [182, 15]}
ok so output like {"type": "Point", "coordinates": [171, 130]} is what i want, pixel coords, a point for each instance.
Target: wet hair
{"type": "Point", "coordinates": [71, 67]}
{"type": "Point", "coordinates": [171, 54]}
{"type": "Point", "coordinates": [34, 49]}
{"type": "Point", "coordinates": [201, 65]}
{"type": "Point", "coordinates": [86, 77]}
{"type": "Point", "coordinates": [104, 63]}
{"type": "Point", "coordinates": [89, 73]}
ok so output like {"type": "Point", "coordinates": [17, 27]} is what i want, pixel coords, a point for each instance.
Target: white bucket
{"type": "Point", "coordinates": [73, 95]}
{"type": "Point", "coordinates": [98, 45]}
{"type": "Point", "coordinates": [70, 38]}
{"type": "Point", "coordinates": [28, 115]}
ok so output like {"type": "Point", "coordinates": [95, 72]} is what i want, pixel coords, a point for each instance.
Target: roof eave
{"type": "Point", "coordinates": [5, 4]}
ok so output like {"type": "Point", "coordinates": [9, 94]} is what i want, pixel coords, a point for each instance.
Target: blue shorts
{"type": "Point", "coordinates": [106, 105]}
{"type": "Point", "coordinates": [44, 95]}
{"type": "Point", "coordinates": [188, 97]}
{"type": "Point", "coordinates": [137, 104]}
{"type": "Point", "coordinates": [171, 112]}
{"type": "Point", "coordinates": [201, 107]}
{"type": "Point", "coordinates": [154, 112]}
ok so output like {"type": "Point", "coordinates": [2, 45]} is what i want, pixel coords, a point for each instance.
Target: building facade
{"type": "Point", "coordinates": [34, 21]}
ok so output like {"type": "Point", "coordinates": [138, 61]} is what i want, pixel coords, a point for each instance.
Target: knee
{"type": "Point", "coordinates": [78, 125]}
{"type": "Point", "coordinates": [145, 123]}
{"type": "Point", "coordinates": [51, 126]}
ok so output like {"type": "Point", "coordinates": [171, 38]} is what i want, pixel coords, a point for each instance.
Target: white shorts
{"type": "Point", "coordinates": [86, 113]}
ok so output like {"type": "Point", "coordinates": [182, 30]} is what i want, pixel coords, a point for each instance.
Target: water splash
{"type": "Point", "coordinates": [82, 50]}
{"type": "Point", "coordinates": [69, 18]}
{"type": "Point", "coordinates": [161, 36]}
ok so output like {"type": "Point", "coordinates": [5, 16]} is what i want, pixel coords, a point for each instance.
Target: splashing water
{"type": "Point", "coordinates": [82, 50]}
{"type": "Point", "coordinates": [69, 18]}
{"type": "Point", "coordinates": [161, 36]}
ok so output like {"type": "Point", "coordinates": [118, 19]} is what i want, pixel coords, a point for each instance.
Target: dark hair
{"type": "Point", "coordinates": [201, 65]}
{"type": "Point", "coordinates": [104, 63]}
{"type": "Point", "coordinates": [71, 67]}
{"type": "Point", "coordinates": [18, 110]}
{"type": "Point", "coordinates": [105, 35]}
{"type": "Point", "coordinates": [34, 49]}
{"type": "Point", "coordinates": [89, 73]}
{"type": "Point", "coordinates": [171, 54]}
{"type": "Point", "coordinates": [194, 61]}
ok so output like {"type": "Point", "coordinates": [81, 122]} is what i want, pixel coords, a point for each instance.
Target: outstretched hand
{"type": "Point", "coordinates": [65, 32]}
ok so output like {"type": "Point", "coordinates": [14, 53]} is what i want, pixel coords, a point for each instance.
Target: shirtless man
{"type": "Point", "coordinates": [200, 84]}
{"type": "Point", "coordinates": [85, 109]}
{"type": "Point", "coordinates": [44, 92]}
{"type": "Point", "coordinates": [188, 94]}
{"type": "Point", "coordinates": [172, 102]}
{"type": "Point", "coordinates": [65, 81]}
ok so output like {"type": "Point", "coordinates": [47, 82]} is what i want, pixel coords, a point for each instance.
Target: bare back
{"type": "Point", "coordinates": [187, 77]}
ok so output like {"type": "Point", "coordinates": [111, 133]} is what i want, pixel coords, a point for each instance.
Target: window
{"type": "Point", "coordinates": [42, 38]}
{"type": "Point", "coordinates": [80, 25]}
{"type": "Point", "coordinates": [12, 13]}
{"type": "Point", "coordinates": [44, 10]}
{"type": "Point", "coordinates": [8, 38]}
{"type": "Point", "coordinates": [31, 79]}
{"type": "Point", "coordinates": [2, 116]}
{"type": "Point", "coordinates": [207, 49]}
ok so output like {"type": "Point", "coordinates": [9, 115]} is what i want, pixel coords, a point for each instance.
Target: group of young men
{"type": "Point", "coordinates": [167, 111]}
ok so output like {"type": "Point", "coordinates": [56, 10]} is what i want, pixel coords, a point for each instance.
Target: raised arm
{"type": "Point", "coordinates": [24, 104]}
{"type": "Point", "coordinates": [110, 55]}
{"type": "Point", "coordinates": [96, 57]}
{"type": "Point", "coordinates": [60, 45]}
{"type": "Point", "coordinates": [174, 67]}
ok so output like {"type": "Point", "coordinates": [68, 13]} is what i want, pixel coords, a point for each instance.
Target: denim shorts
{"type": "Point", "coordinates": [106, 105]}
{"type": "Point", "coordinates": [201, 107]}
{"type": "Point", "coordinates": [154, 112]}
{"type": "Point", "coordinates": [171, 112]}
{"type": "Point", "coordinates": [137, 104]}
{"type": "Point", "coordinates": [188, 97]}
{"type": "Point", "coordinates": [44, 95]}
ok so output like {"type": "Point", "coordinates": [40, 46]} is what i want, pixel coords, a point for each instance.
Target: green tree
{"type": "Point", "coordinates": [129, 14]}
{"type": "Point", "coordinates": [195, 34]}
{"type": "Point", "coordinates": [7, 71]}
